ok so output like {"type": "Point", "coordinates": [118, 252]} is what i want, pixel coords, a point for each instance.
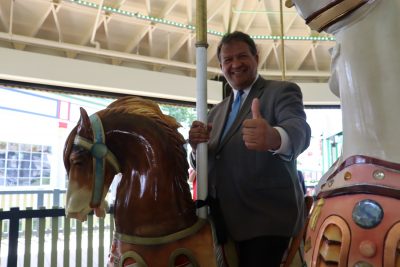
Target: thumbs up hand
{"type": "Point", "coordinates": [258, 133]}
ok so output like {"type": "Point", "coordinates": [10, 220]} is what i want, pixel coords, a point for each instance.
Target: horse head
{"type": "Point", "coordinates": [90, 167]}
{"type": "Point", "coordinates": [131, 137]}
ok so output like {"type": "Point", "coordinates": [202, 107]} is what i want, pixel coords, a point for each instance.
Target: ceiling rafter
{"type": "Point", "coordinates": [189, 45]}
{"type": "Point", "coordinates": [263, 54]}
{"type": "Point", "coordinates": [106, 21]}
{"type": "Point", "coordinates": [189, 11]}
{"type": "Point", "coordinates": [269, 28]}
{"type": "Point", "coordinates": [176, 46]}
{"type": "Point", "coordinates": [235, 17]}
{"type": "Point", "coordinates": [215, 8]}
{"type": "Point", "coordinates": [36, 27]}
{"type": "Point", "coordinates": [277, 55]}
{"type": "Point", "coordinates": [227, 16]}
{"type": "Point", "coordinates": [301, 57]}
{"type": "Point", "coordinates": [54, 11]}
{"type": "Point", "coordinates": [168, 8]}
{"type": "Point", "coordinates": [123, 27]}
{"type": "Point", "coordinates": [3, 17]}
{"type": "Point", "coordinates": [138, 37]}
{"type": "Point", "coordinates": [114, 3]}
{"type": "Point", "coordinates": [290, 24]}
{"type": "Point", "coordinates": [252, 17]}
{"type": "Point", "coordinates": [150, 38]}
{"type": "Point", "coordinates": [314, 57]}
{"type": "Point", "coordinates": [88, 35]}
{"type": "Point", "coordinates": [148, 6]}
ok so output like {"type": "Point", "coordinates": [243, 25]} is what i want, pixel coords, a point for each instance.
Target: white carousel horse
{"type": "Point", "coordinates": [354, 222]}
{"type": "Point", "coordinates": [365, 71]}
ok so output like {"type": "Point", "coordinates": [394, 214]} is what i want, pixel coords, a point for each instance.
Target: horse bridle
{"type": "Point", "coordinates": [100, 154]}
{"type": "Point", "coordinates": [331, 13]}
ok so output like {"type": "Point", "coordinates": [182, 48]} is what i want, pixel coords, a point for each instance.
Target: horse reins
{"type": "Point", "coordinates": [100, 154]}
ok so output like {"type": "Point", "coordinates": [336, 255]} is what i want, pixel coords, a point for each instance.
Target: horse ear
{"type": "Point", "coordinates": [84, 125]}
{"type": "Point", "coordinates": [68, 148]}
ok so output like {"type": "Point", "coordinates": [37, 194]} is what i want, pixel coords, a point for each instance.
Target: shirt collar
{"type": "Point", "coordinates": [246, 90]}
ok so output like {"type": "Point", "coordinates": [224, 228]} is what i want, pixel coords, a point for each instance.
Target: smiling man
{"type": "Point", "coordinates": [254, 137]}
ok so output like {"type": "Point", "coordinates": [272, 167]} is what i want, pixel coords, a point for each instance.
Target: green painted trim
{"type": "Point", "coordinates": [28, 240]}
{"type": "Point", "coordinates": [54, 240]}
{"type": "Point", "coordinates": [78, 249]}
{"type": "Point", "coordinates": [42, 226]}
{"type": "Point", "coordinates": [101, 242]}
{"type": "Point", "coordinates": [67, 235]}
{"type": "Point", "coordinates": [90, 241]}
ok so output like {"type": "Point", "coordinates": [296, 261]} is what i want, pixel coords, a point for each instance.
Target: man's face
{"type": "Point", "coordinates": [238, 65]}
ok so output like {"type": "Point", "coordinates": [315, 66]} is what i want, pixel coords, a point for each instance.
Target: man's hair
{"type": "Point", "coordinates": [235, 37]}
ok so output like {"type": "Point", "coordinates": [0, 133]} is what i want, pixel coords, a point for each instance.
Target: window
{"type": "Point", "coordinates": [24, 164]}
{"type": "Point", "coordinates": [34, 127]}
{"type": "Point", "coordinates": [326, 124]}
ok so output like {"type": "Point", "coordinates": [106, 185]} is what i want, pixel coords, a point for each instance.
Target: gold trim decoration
{"type": "Point", "coordinates": [289, 3]}
{"type": "Point", "coordinates": [345, 239]}
{"type": "Point", "coordinates": [316, 213]}
{"type": "Point", "coordinates": [283, 59]}
{"type": "Point", "coordinates": [334, 13]}
{"type": "Point", "coordinates": [201, 23]}
{"type": "Point", "coordinates": [347, 176]}
{"type": "Point", "coordinates": [390, 251]}
{"type": "Point", "coordinates": [139, 240]}
{"type": "Point", "coordinates": [307, 245]}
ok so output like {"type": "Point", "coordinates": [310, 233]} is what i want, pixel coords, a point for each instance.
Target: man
{"type": "Point", "coordinates": [252, 169]}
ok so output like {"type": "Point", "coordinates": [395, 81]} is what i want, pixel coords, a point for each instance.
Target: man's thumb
{"type": "Point", "coordinates": [255, 109]}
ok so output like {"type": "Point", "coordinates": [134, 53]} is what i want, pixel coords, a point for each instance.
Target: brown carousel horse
{"type": "Point", "coordinates": [155, 216]}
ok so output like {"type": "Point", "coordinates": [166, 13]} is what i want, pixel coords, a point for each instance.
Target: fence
{"type": "Point", "coordinates": [45, 237]}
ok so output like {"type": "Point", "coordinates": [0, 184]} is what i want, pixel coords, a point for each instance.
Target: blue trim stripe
{"type": "Point", "coordinates": [98, 163]}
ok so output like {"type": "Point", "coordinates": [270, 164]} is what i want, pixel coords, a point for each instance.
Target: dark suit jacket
{"type": "Point", "coordinates": [259, 192]}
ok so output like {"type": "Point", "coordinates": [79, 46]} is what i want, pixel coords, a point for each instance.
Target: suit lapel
{"type": "Point", "coordinates": [219, 121]}
{"type": "Point", "coordinates": [256, 91]}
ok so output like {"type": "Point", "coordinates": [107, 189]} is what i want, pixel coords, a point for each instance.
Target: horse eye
{"type": "Point", "coordinates": [77, 156]}
{"type": "Point", "coordinates": [76, 161]}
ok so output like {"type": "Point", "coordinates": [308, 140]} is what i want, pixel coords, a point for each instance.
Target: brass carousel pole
{"type": "Point", "coordinates": [283, 60]}
{"type": "Point", "coordinates": [201, 100]}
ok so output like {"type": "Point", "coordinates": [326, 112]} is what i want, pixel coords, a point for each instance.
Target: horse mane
{"type": "Point", "coordinates": [149, 109]}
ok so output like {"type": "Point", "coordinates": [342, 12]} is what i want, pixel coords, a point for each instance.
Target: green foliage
{"type": "Point", "coordinates": [184, 115]}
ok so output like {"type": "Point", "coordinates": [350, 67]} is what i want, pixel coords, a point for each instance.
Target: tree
{"type": "Point", "coordinates": [184, 115]}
